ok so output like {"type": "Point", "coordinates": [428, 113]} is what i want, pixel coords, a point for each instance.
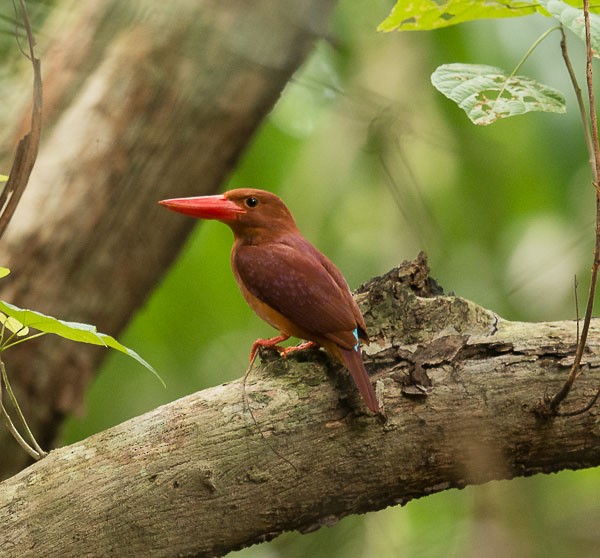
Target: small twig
{"type": "Point", "coordinates": [38, 452]}
{"type": "Point", "coordinates": [10, 344]}
{"type": "Point", "coordinates": [12, 429]}
{"type": "Point", "coordinates": [575, 285]}
{"type": "Point", "coordinates": [580, 102]}
{"type": "Point", "coordinates": [19, 32]}
{"type": "Point", "coordinates": [559, 397]}
{"type": "Point", "coordinates": [584, 409]}
{"type": "Point", "coordinates": [8, 421]}
{"type": "Point", "coordinates": [27, 150]}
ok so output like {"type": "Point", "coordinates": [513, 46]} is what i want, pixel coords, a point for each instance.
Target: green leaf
{"type": "Point", "coordinates": [4, 271]}
{"type": "Point", "coordinates": [13, 325]}
{"type": "Point", "coordinates": [487, 94]}
{"type": "Point", "coordinates": [573, 19]}
{"type": "Point", "coordinates": [3, 178]}
{"type": "Point", "coordinates": [83, 333]}
{"type": "Point", "coordinates": [425, 15]}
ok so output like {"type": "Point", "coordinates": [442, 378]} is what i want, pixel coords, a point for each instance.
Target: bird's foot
{"type": "Point", "coordinates": [268, 344]}
{"type": "Point", "coordinates": [272, 343]}
{"type": "Point", "coordinates": [304, 345]}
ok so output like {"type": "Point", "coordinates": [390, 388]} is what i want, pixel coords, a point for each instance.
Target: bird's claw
{"type": "Point", "coordinates": [273, 344]}
{"type": "Point", "coordinates": [285, 351]}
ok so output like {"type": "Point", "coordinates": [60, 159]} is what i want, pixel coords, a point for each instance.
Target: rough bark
{"type": "Point", "coordinates": [143, 100]}
{"type": "Point", "coordinates": [200, 476]}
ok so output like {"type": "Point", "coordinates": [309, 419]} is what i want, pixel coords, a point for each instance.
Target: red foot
{"type": "Point", "coordinates": [304, 345]}
{"type": "Point", "coordinates": [269, 344]}
{"type": "Point", "coordinates": [273, 344]}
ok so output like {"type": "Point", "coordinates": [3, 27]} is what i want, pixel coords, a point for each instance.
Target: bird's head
{"type": "Point", "coordinates": [247, 211]}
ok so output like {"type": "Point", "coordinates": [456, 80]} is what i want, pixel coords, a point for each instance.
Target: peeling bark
{"type": "Point", "coordinates": [197, 477]}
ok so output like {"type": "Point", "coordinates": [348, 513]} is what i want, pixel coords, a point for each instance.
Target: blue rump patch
{"type": "Point", "coordinates": [356, 337]}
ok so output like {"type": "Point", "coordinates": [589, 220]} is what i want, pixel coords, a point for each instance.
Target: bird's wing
{"type": "Point", "coordinates": [295, 279]}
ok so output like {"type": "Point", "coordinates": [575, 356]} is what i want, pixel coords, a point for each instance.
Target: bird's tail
{"type": "Point", "coordinates": [352, 360]}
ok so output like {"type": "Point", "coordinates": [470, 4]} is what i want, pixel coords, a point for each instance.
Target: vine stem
{"type": "Point", "coordinates": [580, 104]}
{"type": "Point", "coordinates": [559, 397]}
{"type": "Point", "coordinates": [34, 450]}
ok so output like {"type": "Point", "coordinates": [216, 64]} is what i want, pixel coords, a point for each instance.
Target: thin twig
{"type": "Point", "coordinates": [584, 409]}
{"type": "Point", "coordinates": [10, 344]}
{"type": "Point", "coordinates": [11, 395]}
{"type": "Point", "coordinates": [580, 102]}
{"type": "Point", "coordinates": [564, 391]}
{"type": "Point", "coordinates": [575, 286]}
{"type": "Point", "coordinates": [27, 150]}
{"type": "Point", "coordinates": [8, 421]}
{"type": "Point", "coordinates": [13, 430]}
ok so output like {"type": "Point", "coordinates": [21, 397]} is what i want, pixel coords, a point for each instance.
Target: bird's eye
{"type": "Point", "coordinates": [252, 201]}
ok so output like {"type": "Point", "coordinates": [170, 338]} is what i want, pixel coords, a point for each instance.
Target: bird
{"type": "Point", "coordinates": [286, 280]}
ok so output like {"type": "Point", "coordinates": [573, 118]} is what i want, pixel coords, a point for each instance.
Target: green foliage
{"type": "Point", "coordinates": [82, 333]}
{"type": "Point", "coordinates": [487, 94]}
{"type": "Point", "coordinates": [15, 328]}
{"type": "Point", "coordinates": [426, 15]}
{"type": "Point", "coordinates": [13, 325]}
{"type": "Point", "coordinates": [572, 18]}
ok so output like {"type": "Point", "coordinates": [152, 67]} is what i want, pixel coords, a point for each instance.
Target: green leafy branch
{"type": "Point", "coordinates": [488, 94]}
{"type": "Point", "coordinates": [427, 15]}
{"type": "Point", "coordinates": [15, 328]}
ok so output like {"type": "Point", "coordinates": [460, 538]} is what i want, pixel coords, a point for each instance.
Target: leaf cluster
{"type": "Point", "coordinates": [15, 328]}
{"type": "Point", "coordinates": [487, 93]}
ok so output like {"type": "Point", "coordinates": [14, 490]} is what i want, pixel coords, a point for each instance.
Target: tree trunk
{"type": "Point", "coordinates": [144, 100]}
{"type": "Point", "coordinates": [216, 471]}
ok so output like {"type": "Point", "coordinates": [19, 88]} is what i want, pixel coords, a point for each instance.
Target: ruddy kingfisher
{"type": "Point", "coordinates": [286, 280]}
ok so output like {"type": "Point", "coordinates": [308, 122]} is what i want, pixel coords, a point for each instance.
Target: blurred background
{"type": "Point", "coordinates": [377, 165]}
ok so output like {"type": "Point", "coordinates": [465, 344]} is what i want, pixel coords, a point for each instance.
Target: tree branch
{"type": "Point", "coordinates": [196, 478]}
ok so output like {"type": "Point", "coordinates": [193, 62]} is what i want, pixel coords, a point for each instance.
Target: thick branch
{"type": "Point", "coordinates": [196, 477]}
